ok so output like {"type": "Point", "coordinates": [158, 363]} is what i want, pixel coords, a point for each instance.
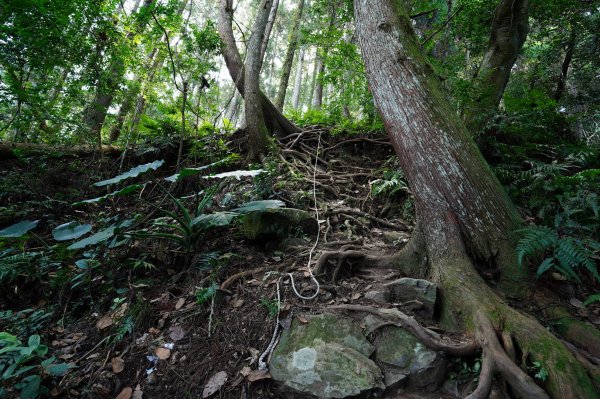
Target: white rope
{"type": "Point", "coordinates": [262, 365]}
{"type": "Point", "coordinates": [314, 247]}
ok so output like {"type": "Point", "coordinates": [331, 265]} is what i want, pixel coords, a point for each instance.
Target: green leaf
{"type": "Point", "coordinates": [32, 388]}
{"type": "Point", "coordinates": [18, 229]}
{"type": "Point", "coordinates": [57, 370]}
{"type": "Point", "coordinates": [544, 267]}
{"type": "Point", "coordinates": [34, 341]}
{"type": "Point", "coordinates": [97, 238]}
{"type": "Point", "coordinates": [214, 219]}
{"type": "Point", "coordinates": [591, 299]}
{"type": "Point", "coordinates": [192, 171]}
{"type": "Point", "coordinates": [124, 191]}
{"type": "Point", "coordinates": [259, 206]}
{"type": "Point", "coordinates": [70, 231]}
{"type": "Point", "coordinates": [238, 174]}
{"type": "Point", "coordinates": [133, 172]}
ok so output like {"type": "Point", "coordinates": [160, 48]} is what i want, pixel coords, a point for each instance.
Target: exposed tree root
{"type": "Point", "coordinates": [427, 337]}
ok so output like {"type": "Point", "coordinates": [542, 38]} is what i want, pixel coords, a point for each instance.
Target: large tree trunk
{"type": "Point", "coordinates": [275, 121]}
{"type": "Point", "coordinates": [256, 129]}
{"type": "Point", "coordinates": [509, 31]}
{"type": "Point", "coordinates": [286, 70]}
{"type": "Point", "coordinates": [465, 219]}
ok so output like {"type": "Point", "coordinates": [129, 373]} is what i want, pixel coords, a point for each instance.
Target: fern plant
{"type": "Point", "coordinates": [566, 254]}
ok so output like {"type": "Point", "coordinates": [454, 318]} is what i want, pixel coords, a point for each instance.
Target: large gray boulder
{"type": "Point", "coordinates": [328, 357]}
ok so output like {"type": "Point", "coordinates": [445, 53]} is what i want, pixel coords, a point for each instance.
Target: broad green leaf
{"type": "Point", "coordinates": [94, 239]}
{"type": "Point", "coordinates": [214, 219]}
{"type": "Point", "coordinates": [124, 191]}
{"type": "Point", "coordinates": [32, 388]}
{"type": "Point", "coordinates": [191, 171]}
{"type": "Point", "coordinates": [133, 172]}
{"type": "Point", "coordinates": [70, 231]}
{"type": "Point", "coordinates": [102, 235]}
{"type": "Point", "coordinates": [18, 229]}
{"type": "Point", "coordinates": [34, 341]}
{"type": "Point", "coordinates": [238, 174]}
{"type": "Point", "coordinates": [57, 369]}
{"type": "Point", "coordinates": [259, 206]}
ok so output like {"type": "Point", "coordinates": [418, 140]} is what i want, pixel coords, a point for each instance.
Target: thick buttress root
{"type": "Point", "coordinates": [495, 358]}
{"type": "Point", "coordinates": [469, 304]}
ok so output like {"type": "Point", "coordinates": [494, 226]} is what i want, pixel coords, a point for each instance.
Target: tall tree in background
{"type": "Point", "coordinates": [268, 29]}
{"type": "Point", "coordinates": [256, 128]}
{"type": "Point", "coordinates": [108, 84]}
{"type": "Point", "coordinates": [509, 31]}
{"type": "Point", "coordinates": [298, 80]}
{"type": "Point", "coordinates": [275, 121]}
{"type": "Point", "coordinates": [465, 220]}
{"type": "Point", "coordinates": [289, 57]}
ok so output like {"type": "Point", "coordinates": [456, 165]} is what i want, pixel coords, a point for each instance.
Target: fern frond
{"type": "Point", "coordinates": [536, 239]}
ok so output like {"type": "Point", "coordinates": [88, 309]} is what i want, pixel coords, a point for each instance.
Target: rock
{"type": "Point", "coordinates": [278, 224]}
{"type": "Point", "coordinates": [404, 358]}
{"type": "Point", "coordinates": [410, 289]}
{"type": "Point", "coordinates": [378, 296]}
{"type": "Point", "coordinates": [327, 357]}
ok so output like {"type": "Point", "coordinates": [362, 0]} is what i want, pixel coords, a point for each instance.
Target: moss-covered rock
{"type": "Point", "coordinates": [278, 224]}
{"type": "Point", "coordinates": [327, 358]}
{"type": "Point", "coordinates": [403, 357]}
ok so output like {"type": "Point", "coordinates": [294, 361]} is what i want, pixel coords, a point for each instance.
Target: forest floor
{"type": "Point", "coordinates": [139, 325]}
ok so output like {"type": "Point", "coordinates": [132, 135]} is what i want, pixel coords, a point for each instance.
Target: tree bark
{"type": "Point", "coordinates": [286, 70]}
{"type": "Point", "coordinates": [564, 70]}
{"type": "Point", "coordinates": [466, 220]}
{"type": "Point", "coordinates": [509, 31]}
{"type": "Point", "coordinates": [318, 92]}
{"type": "Point", "coordinates": [276, 123]}
{"type": "Point", "coordinates": [256, 129]}
{"type": "Point", "coordinates": [268, 28]}
{"type": "Point", "coordinates": [298, 80]}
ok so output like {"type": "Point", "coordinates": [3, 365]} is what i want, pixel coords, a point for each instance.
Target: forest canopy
{"type": "Point", "coordinates": [168, 167]}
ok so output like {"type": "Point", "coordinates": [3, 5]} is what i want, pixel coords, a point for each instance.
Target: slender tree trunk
{"type": "Point", "coordinates": [509, 31]}
{"type": "Point", "coordinates": [465, 218]}
{"type": "Point", "coordinates": [95, 113]}
{"type": "Point", "coordinates": [286, 70]}
{"type": "Point", "coordinates": [318, 92]}
{"type": "Point", "coordinates": [313, 80]}
{"type": "Point", "coordinates": [268, 28]}
{"type": "Point", "coordinates": [298, 80]}
{"type": "Point", "coordinates": [255, 121]}
{"type": "Point", "coordinates": [275, 121]}
{"type": "Point", "coordinates": [564, 70]}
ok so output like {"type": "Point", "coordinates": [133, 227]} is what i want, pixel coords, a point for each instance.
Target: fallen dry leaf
{"type": "Point", "coordinates": [302, 319]}
{"type": "Point", "coordinates": [237, 303]}
{"type": "Point", "coordinates": [118, 364]}
{"type": "Point", "coordinates": [138, 393]}
{"type": "Point", "coordinates": [254, 375]}
{"type": "Point", "coordinates": [162, 353]}
{"type": "Point", "coordinates": [125, 393]}
{"type": "Point", "coordinates": [176, 333]}
{"type": "Point", "coordinates": [214, 384]}
{"type": "Point", "coordinates": [104, 322]}
{"type": "Point", "coordinates": [179, 303]}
